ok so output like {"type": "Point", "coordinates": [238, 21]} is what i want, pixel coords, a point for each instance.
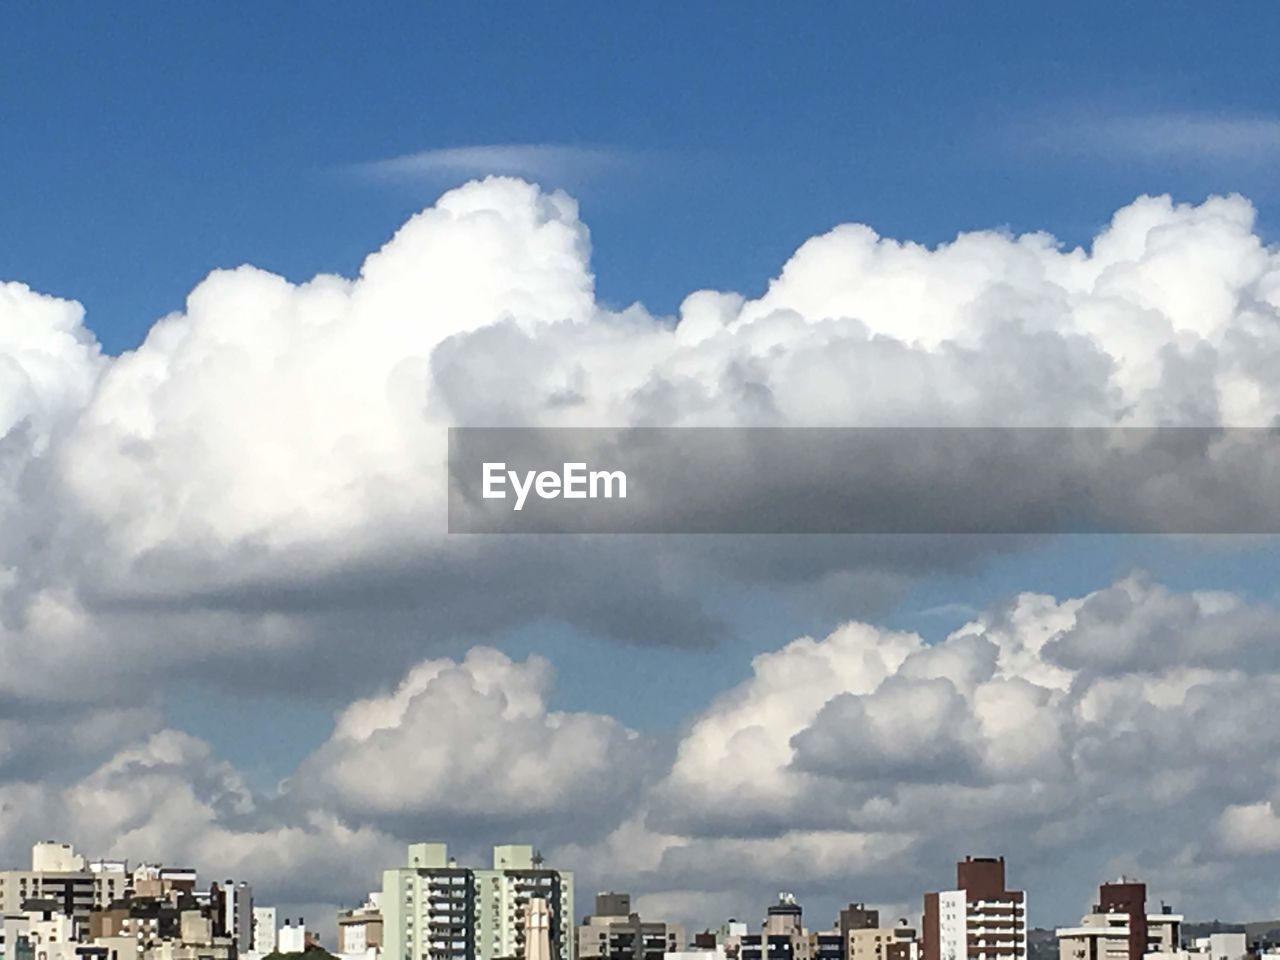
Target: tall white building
{"type": "Point", "coordinates": [291, 938]}
{"type": "Point", "coordinates": [264, 930]}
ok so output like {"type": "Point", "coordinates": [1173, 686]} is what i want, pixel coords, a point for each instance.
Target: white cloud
{"type": "Point", "coordinates": [1217, 138]}
{"type": "Point", "coordinates": [475, 741]}
{"type": "Point", "coordinates": [856, 765]}
{"type": "Point", "coordinates": [261, 482]}
{"type": "Point", "coordinates": [274, 441]}
{"type": "Point", "coordinates": [902, 756]}
{"type": "Point", "coordinates": [545, 162]}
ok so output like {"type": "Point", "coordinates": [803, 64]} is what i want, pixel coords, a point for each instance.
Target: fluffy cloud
{"type": "Point", "coordinates": [1028, 730]}
{"type": "Point", "coordinates": [260, 484]}
{"type": "Point", "coordinates": [166, 798]}
{"type": "Point", "coordinates": [857, 765]}
{"type": "Point", "coordinates": [276, 449]}
{"type": "Point", "coordinates": [474, 742]}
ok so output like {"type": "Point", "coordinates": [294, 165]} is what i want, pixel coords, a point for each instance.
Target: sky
{"type": "Point", "coordinates": [234, 633]}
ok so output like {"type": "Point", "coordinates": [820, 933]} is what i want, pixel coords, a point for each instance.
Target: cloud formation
{"type": "Point", "coordinates": [275, 445]}
{"type": "Point", "coordinates": [544, 162]}
{"type": "Point", "coordinates": [260, 485]}
{"type": "Point", "coordinates": [857, 765]}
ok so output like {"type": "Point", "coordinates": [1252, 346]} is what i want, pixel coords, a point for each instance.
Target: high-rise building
{"type": "Point", "coordinates": [59, 880]}
{"type": "Point", "coordinates": [1120, 928]}
{"type": "Point", "coordinates": [979, 920]}
{"type": "Point", "coordinates": [264, 930]}
{"type": "Point", "coordinates": [434, 909]}
{"type": "Point", "coordinates": [233, 906]}
{"type": "Point", "coordinates": [616, 932]}
{"type": "Point", "coordinates": [782, 936]}
{"type": "Point", "coordinates": [1128, 898]}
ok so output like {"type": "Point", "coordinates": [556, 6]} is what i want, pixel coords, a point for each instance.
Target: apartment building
{"type": "Point", "coordinates": [863, 938]}
{"type": "Point", "coordinates": [981, 919]}
{"type": "Point", "coordinates": [435, 909]}
{"type": "Point", "coordinates": [264, 930]}
{"type": "Point", "coordinates": [616, 932]}
{"type": "Point", "coordinates": [782, 936]}
{"type": "Point", "coordinates": [1120, 928]}
{"type": "Point", "coordinates": [60, 877]}
{"type": "Point", "coordinates": [360, 929]}
{"type": "Point", "coordinates": [232, 909]}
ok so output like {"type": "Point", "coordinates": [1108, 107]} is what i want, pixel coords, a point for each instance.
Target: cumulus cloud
{"type": "Point", "coordinates": [856, 765]}
{"type": "Point", "coordinates": [166, 798]}
{"type": "Point", "coordinates": [274, 451]}
{"type": "Point", "coordinates": [480, 745]}
{"type": "Point", "coordinates": [902, 755]}
{"type": "Point", "coordinates": [261, 483]}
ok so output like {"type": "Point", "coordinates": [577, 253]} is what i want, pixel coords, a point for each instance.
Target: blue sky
{"type": "Point", "coordinates": [144, 148]}
{"type": "Point", "coordinates": [147, 150]}
{"type": "Point", "coordinates": [703, 148]}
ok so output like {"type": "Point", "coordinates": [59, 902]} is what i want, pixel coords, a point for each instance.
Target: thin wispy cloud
{"type": "Point", "coordinates": [538, 161]}
{"type": "Point", "coordinates": [1186, 136]}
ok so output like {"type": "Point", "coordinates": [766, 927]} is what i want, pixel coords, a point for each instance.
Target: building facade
{"type": "Point", "coordinates": [616, 932]}
{"type": "Point", "coordinates": [1120, 928]}
{"type": "Point", "coordinates": [360, 930]}
{"type": "Point", "coordinates": [981, 919]}
{"type": "Point", "coordinates": [435, 909]}
{"type": "Point", "coordinates": [264, 930]}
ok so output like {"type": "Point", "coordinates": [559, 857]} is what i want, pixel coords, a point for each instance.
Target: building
{"type": "Point", "coordinates": [981, 919]}
{"type": "Point", "coordinates": [863, 938]}
{"type": "Point", "coordinates": [615, 931]}
{"type": "Point", "coordinates": [292, 938]}
{"type": "Point", "coordinates": [434, 909]}
{"type": "Point", "coordinates": [782, 936]}
{"type": "Point", "coordinates": [58, 876]}
{"type": "Point", "coordinates": [519, 875]}
{"type": "Point", "coordinates": [264, 930]}
{"type": "Point", "coordinates": [1222, 946]}
{"type": "Point", "coordinates": [722, 944]}
{"type": "Point", "coordinates": [1120, 928]}
{"type": "Point", "coordinates": [360, 930]}
{"type": "Point", "coordinates": [233, 912]}
{"type": "Point", "coordinates": [155, 881]}
{"type": "Point", "coordinates": [1100, 936]}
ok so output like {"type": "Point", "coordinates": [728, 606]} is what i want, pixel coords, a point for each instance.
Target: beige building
{"type": "Point", "coordinates": [59, 875]}
{"type": "Point", "coordinates": [864, 938]}
{"type": "Point", "coordinates": [617, 932]}
{"type": "Point", "coordinates": [1100, 936]}
{"type": "Point", "coordinates": [1120, 928]}
{"type": "Point", "coordinates": [360, 930]}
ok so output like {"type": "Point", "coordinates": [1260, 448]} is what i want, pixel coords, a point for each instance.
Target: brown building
{"type": "Point", "coordinates": [1129, 898]}
{"type": "Point", "coordinates": [981, 919]}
